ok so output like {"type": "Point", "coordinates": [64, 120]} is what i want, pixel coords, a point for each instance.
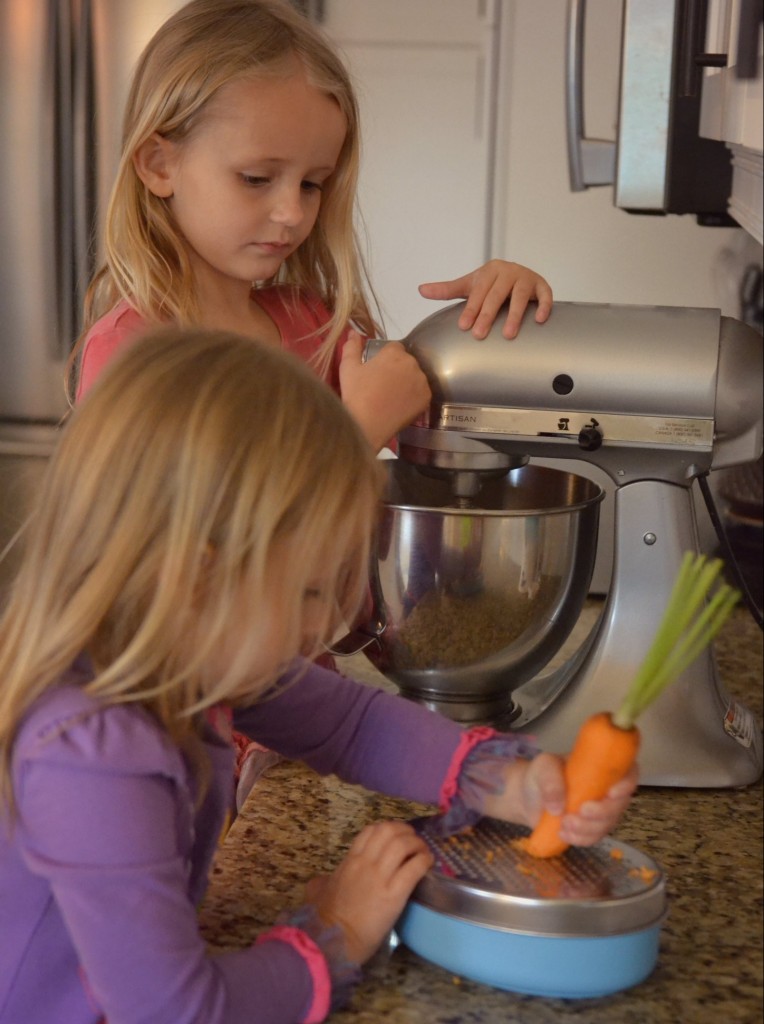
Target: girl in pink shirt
{"type": "Point", "coordinates": [233, 208]}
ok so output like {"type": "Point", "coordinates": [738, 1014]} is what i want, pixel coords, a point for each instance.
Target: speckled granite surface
{"type": "Point", "coordinates": [709, 843]}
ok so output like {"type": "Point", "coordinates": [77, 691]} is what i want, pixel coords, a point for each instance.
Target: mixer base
{"type": "Point", "coordinates": [499, 711]}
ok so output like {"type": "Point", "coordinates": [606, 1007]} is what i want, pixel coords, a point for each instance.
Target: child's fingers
{"type": "Point", "coordinates": [527, 287]}
{"type": "Point", "coordinates": [487, 289]}
{"type": "Point", "coordinates": [316, 887]}
{"type": "Point", "coordinates": [387, 844]}
{"type": "Point", "coordinates": [442, 290]}
{"type": "Point", "coordinates": [518, 303]}
{"type": "Point", "coordinates": [490, 288]}
{"type": "Point", "coordinates": [545, 300]}
{"type": "Point", "coordinates": [596, 818]}
{"type": "Point", "coordinates": [412, 870]}
{"type": "Point", "coordinates": [396, 855]}
{"type": "Point", "coordinates": [484, 290]}
{"type": "Point", "coordinates": [548, 776]}
{"type": "Point", "coordinates": [352, 350]}
{"type": "Point", "coordinates": [589, 824]}
{"type": "Point", "coordinates": [627, 785]}
{"type": "Point", "coordinates": [490, 302]}
{"type": "Point", "coordinates": [606, 812]}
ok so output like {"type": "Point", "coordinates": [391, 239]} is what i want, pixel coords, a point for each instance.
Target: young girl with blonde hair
{"type": "Point", "coordinates": [233, 207]}
{"type": "Point", "coordinates": [204, 525]}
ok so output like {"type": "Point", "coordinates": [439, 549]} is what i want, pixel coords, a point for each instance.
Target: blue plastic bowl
{"type": "Point", "coordinates": [540, 965]}
{"type": "Point", "coordinates": [581, 925]}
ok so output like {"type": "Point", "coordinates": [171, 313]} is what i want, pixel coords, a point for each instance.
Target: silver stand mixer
{"type": "Point", "coordinates": [475, 538]}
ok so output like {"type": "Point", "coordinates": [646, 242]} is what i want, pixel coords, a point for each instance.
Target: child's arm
{"type": "Point", "coordinates": [487, 289]}
{"type": "Point", "coordinates": [394, 746]}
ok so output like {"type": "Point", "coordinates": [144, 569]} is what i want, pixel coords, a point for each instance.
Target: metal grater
{"type": "Point", "coordinates": [481, 876]}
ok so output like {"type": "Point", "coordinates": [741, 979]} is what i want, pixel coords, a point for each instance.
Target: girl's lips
{"type": "Point", "coordinates": [272, 247]}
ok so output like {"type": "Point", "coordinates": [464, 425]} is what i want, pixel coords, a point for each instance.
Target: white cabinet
{"type": "Point", "coordinates": [398, 22]}
{"type": "Point", "coordinates": [732, 110]}
{"type": "Point", "coordinates": [425, 74]}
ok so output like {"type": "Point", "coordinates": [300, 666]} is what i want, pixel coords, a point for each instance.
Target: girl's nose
{"type": "Point", "coordinates": [288, 207]}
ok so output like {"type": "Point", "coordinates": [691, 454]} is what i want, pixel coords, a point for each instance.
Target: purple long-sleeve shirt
{"type": "Point", "coordinates": [109, 856]}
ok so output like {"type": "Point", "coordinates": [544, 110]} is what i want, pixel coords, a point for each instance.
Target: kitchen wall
{"type": "Point", "coordinates": [588, 249]}
{"type": "Point", "coordinates": [425, 77]}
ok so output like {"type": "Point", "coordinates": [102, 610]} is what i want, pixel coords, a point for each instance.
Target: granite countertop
{"type": "Point", "coordinates": [708, 842]}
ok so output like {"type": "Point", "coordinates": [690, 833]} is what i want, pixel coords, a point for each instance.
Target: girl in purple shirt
{"type": "Point", "coordinates": [204, 525]}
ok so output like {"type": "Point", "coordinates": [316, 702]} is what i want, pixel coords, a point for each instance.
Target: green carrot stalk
{"type": "Point", "coordinates": [607, 745]}
{"type": "Point", "coordinates": [681, 636]}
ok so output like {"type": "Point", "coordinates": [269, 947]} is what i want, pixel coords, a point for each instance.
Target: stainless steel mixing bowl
{"type": "Point", "coordinates": [473, 601]}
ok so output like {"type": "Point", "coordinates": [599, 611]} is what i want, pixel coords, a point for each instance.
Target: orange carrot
{"type": "Point", "coordinates": [606, 746]}
{"type": "Point", "coordinates": [603, 753]}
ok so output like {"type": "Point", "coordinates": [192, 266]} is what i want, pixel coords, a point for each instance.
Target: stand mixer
{"type": "Point", "coordinates": [654, 397]}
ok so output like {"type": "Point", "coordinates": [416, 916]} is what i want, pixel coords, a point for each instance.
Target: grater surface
{"type": "Point", "coordinates": [481, 876]}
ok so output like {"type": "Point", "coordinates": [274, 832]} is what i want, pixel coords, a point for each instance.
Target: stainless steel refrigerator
{"type": "Point", "coordinates": [65, 68]}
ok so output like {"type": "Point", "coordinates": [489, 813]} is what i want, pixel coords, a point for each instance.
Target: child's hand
{"type": "Point", "coordinates": [385, 394]}
{"type": "Point", "coordinates": [367, 892]}
{"type": "Point", "coordinates": [486, 290]}
{"type": "Point", "coordinates": [538, 785]}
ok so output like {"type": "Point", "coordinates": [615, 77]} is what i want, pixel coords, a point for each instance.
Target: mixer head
{"type": "Point", "coordinates": [645, 392]}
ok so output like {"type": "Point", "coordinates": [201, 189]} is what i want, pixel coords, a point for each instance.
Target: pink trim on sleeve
{"type": "Point", "coordinates": [468, 742]}
{"type": "Point", "coordinates": [316, 964]}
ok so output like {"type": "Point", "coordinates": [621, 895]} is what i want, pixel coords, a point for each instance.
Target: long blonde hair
{"type": "Point", "coordinates": [197, 459]}
{"type": "Point", "coordinates": [204, 46]}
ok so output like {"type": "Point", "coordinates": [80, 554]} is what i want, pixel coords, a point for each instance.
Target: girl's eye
{"type": "Point", "coordinates": [254, 179]}
{"type": "Point", "coordinates": [312, 186]}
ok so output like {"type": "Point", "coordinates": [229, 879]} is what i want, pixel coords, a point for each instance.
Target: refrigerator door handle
{"type": "Point", "coordinates": [59, 88]}
{"type": "Point", "coordinates": [590, 161]}
{"type": "Point", "coordinates": [84, 184]}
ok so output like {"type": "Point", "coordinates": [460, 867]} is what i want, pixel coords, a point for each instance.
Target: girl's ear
{"type": "Point", "coordinates": [155, 161]}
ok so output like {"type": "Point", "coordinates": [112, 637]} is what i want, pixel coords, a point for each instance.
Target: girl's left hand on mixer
{"type": "Point", "coordinates": [539, 784]}
{"type": "Point", "coordinates": [487, 289]}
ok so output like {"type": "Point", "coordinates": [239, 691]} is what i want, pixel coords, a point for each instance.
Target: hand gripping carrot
{"type": "Point", "coordinates": [606, 746]}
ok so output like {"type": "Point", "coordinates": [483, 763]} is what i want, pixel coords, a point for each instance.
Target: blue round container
{"type": "Point", "coordinates": [582, 925]}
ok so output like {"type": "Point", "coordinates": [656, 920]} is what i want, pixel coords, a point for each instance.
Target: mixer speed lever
{"type": "Point", "coordinates": [590, 436]}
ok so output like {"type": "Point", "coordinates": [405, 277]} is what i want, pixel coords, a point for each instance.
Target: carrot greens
{"type": "Point", "coordinates": [682, 634]}
{"type": "Point", "coordinates": [607, 745]}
